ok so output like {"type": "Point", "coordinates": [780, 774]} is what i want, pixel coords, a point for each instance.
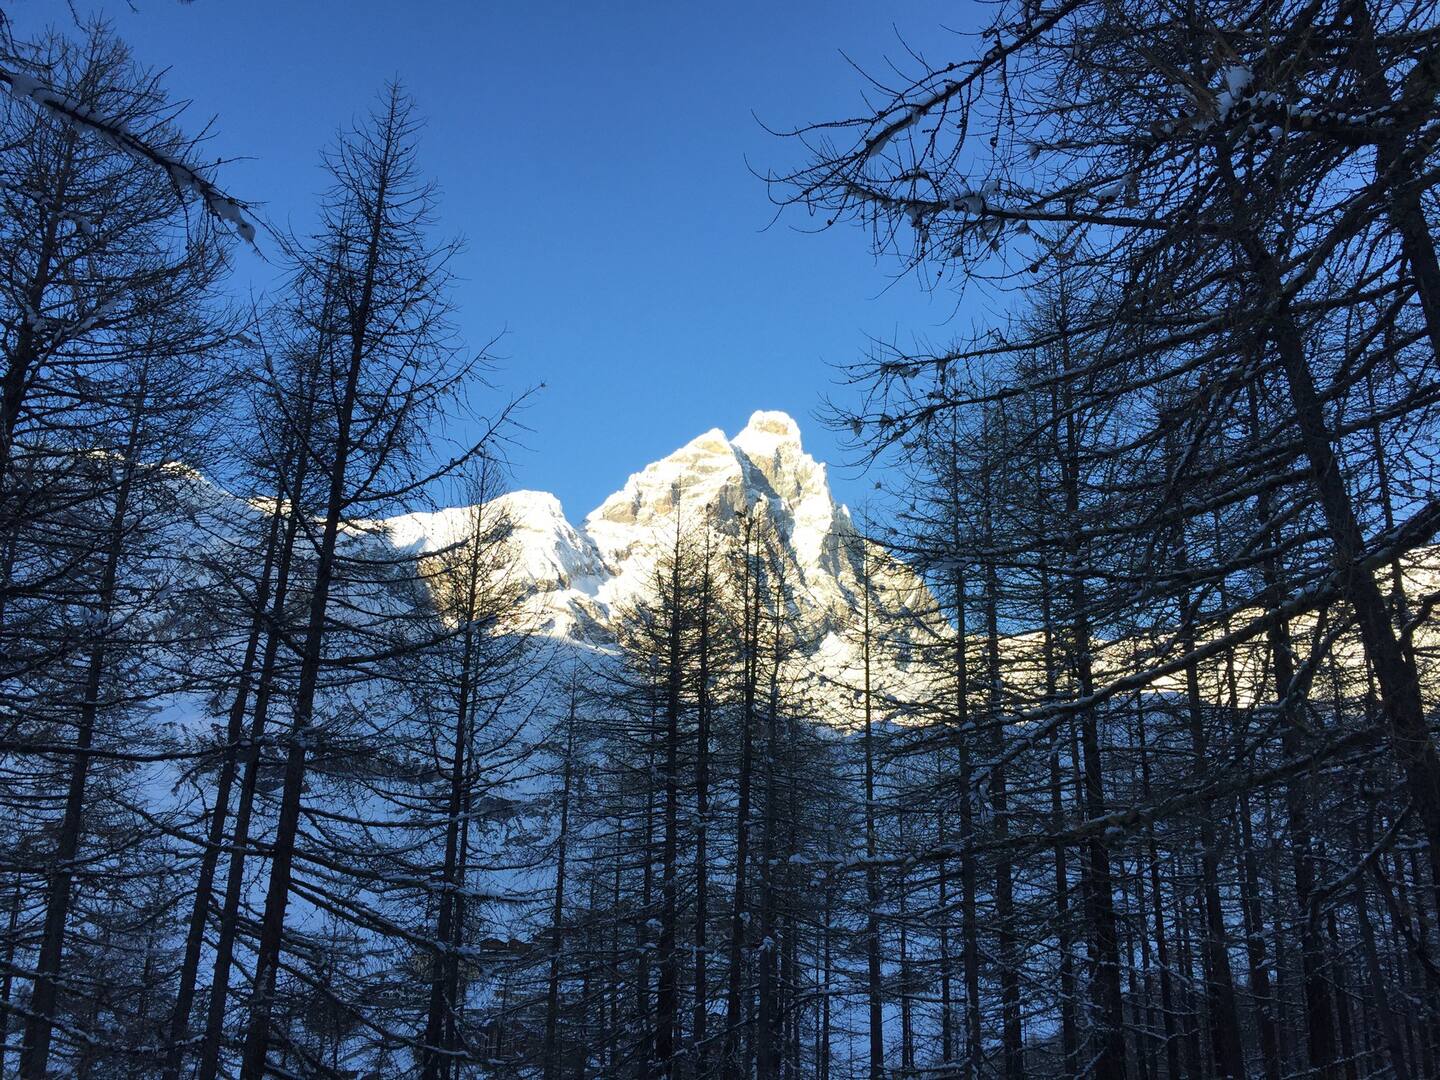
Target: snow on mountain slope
{"type": "Point", "coordinates": [580, 578]}
{"type": "Point", "coordinates": [560, 568]}
{"type": "Point", "coordinates": [551, 552]}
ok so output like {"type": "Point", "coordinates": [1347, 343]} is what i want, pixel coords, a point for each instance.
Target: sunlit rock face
{"type": "Point", "coordinates": [764, 469]}
{"type": "Point", "coordinates": [581, 579]}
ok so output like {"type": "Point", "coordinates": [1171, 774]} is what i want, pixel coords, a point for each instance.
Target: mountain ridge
{"type": "Point", "coordinates": [579, 578]}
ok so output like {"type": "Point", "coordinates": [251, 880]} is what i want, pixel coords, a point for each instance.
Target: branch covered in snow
{"type": "Point", "coordinates": [189, 181]}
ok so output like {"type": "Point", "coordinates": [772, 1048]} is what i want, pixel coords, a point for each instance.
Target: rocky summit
{"type": "Point", "coordinates": [581, 577]}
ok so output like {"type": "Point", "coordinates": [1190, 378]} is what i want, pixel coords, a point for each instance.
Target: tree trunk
{"type": "Point", "coordinates": [739, 908]}
{"type": "Point", "coordinates": [1099, 900]}
{"type": "Point", "coordinates": [1221, 1007]}
{"type": "Point", "coordinates": [699, 1032]}
{"type": "Point", "coordinates": [219, 813]}
{"type": "Point", "coordinates": [1157, 905]}
{"type": "Point", "coordinates": [1379, 984]}
{"type": "Point", "coordinates": [668, 991]}
{"type": "Point", "coordinates": [235, 874]}
{"type": "Point", "coordinates": [969, 920]}
{"type": "Point", "coordinates": [645, 1022]}
{"type": "Point", "coordinates": [1069, 1035]}
{"type": "Point", "coordinates": [39, 1025]}
{"type": "Point", "coordinates": [873, 973]}
{"type": "Point", "coordinates": [557, 907]}
{"type": "Point", "coordinates": [768, 1020]}
{"type": "Point", "coordinates": [277, 898]}
{"type": "Point", "coordinates": [434, 1056]}
{"type": "Point", "coordinates": [1400, 700]}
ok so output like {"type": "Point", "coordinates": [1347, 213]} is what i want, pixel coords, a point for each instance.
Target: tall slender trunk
{"type": "Point", "coordinates": [7, 983]}
{"type": "Point", "coordinates": [455, 1009]}
{"type": "Point", "coordinates": [668, 991]}
{"type": "Point", "coordinates": [1190, 1012]}
{"type": "Point", "coordinates": [1400, 699]}
{"type": "Point", "coordinates": [1146, 1043]}
{"type": "Point", "coordinates": [219, 812]}
{"type": "Point", "coordinates": [1132, 978]}
{"type": "Point", "coordinates": [1376, 976]}
{"type": "Point", "coordinates": [1012, 1034]}
{"type": "Point", "coordinates": [790, 972]}
{"type": "Point", "coordinates": [435, 1055]}
{"type": "Point", "coordinates": [612, 1029]}
{"type": "Point", "coordinates": [873, 973]}
{"type": "Point", "coordinates": [767, 1023]}
{"type": "Point", "coordinates": [277, 898]}
{"type": "Point", "coordinates": [645, 1022]}
{"type": "Point", "coordinates": [557, 904]}
{"type": "Point", "coordinates": [734, 1019]}
{"type": "Point", "coordinates": [969, 920]}
{"type": "Point", "coordinates": [699, 1023]}
{"type": "Point", "coordinates": [1320, 1034]}
{"type": "Point", "coordinates": [291, 477]}
{"type": "Point", "coordinates": [1221, 1009]}
{"type": "Point", "coordinates": [1260, 987]}
{"type": "Point", "coordinates": [1412, 920]}
{"type": "Point", "coordinates": [1069, 1034]}
{"type": "Point", "coordinates": [588, 974]}
{"type": "Point", "coordinates": [1157, 906]}
{"type": "Point", "coordinates": [942, 907]}
{"type": "Point", "coordinates": [1252, 917]}
{"type": "Point", "coordinates": [1343, 1021]}
{"type": "Point", "coordinates": [907, 974]}
{"type": "Point", "coordinates": [1099, 900]}
{"type": "Point", "coordinates": [44, 994]}
{"type": "Point", "coordinates": [210, 1045]}
{"type": "Point", "coordinates": [827, 973]}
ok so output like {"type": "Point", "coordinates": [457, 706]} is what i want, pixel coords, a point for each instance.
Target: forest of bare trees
{"type": "Point", "coordinates": [1132, 771]}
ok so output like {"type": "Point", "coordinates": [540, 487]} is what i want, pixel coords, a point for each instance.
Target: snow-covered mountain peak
{"type": "Point", "coordinates": [581, 579]}
{"type": "Point", "coordinates": [528, 513]}
{"type": "Point", "coordinates": [764, 464]}
{"type": "Point", "coordinates": [770, 442]}
{"type": "Point", "coordinates": [793, 482]}
{"type": "Point", "coordinates": [551, 551]}
{"type": "Point", "coordinates": [769, 424]}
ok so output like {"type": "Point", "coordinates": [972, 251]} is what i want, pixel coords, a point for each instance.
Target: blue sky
{"type": "Point", "coordinates": [597, 158]}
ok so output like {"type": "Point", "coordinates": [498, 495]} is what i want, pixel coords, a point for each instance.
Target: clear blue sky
{"type": "Point", "coordinates": [594, 156]}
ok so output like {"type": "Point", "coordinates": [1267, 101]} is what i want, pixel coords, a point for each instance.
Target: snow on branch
{"type": "Point", "coordinates": [909, 115]}
{"type": "Point", "coordinates": [188, 180]}
{"type": "Point", "coordinates": [1239, 104]}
